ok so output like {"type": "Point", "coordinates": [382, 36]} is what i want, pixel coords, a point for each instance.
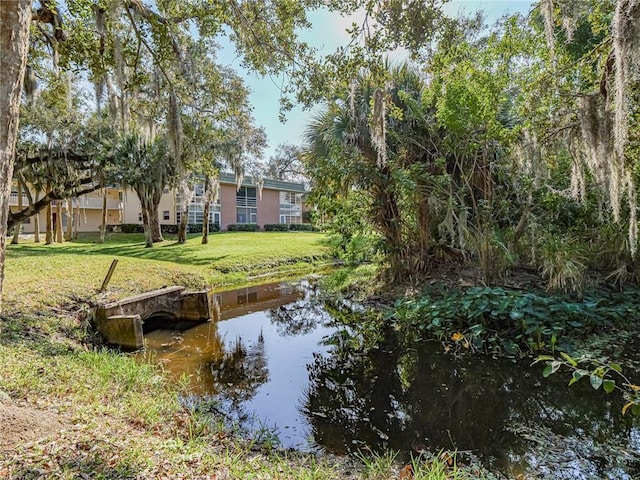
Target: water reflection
{"type": "Point", "coordinates": [275, 353]}
{"type": "Point", "coordinates": [404, 395]}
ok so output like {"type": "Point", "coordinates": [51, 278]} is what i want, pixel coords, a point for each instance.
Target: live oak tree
{"type": "Point", "coordinates": [15, 19]}
{"type": "Point", "coordinates": [285, 164]}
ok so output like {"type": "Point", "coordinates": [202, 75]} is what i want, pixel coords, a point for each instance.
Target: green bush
{"type": "Point", "coordinates": [197, 227]}
{"type": "Point", "coordinates": [301, 227]}
{"type": "Point", "coordinates": [276, 227]}
{"type": "Point", "coordinates": [172, 229]}
{"type": "Point", "coordinates": [132, 228]}
{"type": "Point", "coordinates": [243, 227]}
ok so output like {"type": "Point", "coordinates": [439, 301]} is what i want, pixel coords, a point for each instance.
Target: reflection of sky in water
{"type": "Point", "coordinates": [258, 359]}
{"type": "Point", "coordinates": [287, 358]}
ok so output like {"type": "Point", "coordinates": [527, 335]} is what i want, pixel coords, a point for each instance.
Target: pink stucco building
{"type": "Point", "coordinates": [278, 202]}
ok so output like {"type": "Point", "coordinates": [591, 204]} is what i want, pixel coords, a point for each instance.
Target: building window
{"type": "Point", "coordinates": [196, 214]}
{"type": "Point", "coordinates": [290, 207]}
{"type": "Point", "coordinates": [139, 216]}
{"type": "Point", "coordinates": [165, 215]}
{"type": "Point", "coordinates": [246, 205]}
{"type": "Point", "coordinates": [27, 221]}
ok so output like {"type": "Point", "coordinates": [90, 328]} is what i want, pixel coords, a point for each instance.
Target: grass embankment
{"type": "Point", "coordinates": [105, 414]}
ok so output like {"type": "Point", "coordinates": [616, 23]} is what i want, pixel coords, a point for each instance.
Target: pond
{"type": "Point", "coordinates": [278, 362]}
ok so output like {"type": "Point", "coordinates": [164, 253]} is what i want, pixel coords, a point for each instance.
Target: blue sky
{"type": "Point", "coordinates": [327, 33]}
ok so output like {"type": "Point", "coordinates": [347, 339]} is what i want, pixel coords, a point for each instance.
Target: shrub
{"type": "Point", "coordinates": [301, 227]}
{"type": "Point", "coordinates": [563, 264]}
{"type": "Point", "coordinates": [243, 227]}
{"type": "Point", "coordinates": [197, 227]}
{"type": "Point", "coordinates": [276, 227]}
{"type": "Point", "coordinates": [132, 228]}
{"type": "Point", "coordinates": [173, 229]}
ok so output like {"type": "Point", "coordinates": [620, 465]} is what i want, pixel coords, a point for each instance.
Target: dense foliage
{"type": "Point", "coordinates": [505, 147]}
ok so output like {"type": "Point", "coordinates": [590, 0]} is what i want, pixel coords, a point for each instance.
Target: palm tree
{"type": "Point", "coordinates": [147, 169]}
{"type": "Point", "coordinates": [363, 141]}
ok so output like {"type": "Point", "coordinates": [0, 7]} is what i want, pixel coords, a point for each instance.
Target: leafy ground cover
{"type": "Point", "coordinates": [70, 408]}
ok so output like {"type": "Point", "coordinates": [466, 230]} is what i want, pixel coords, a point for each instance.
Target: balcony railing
{"type": "Point", "coordinates": [13, 199]}
{"type": "Point", "coordinates": [246, 202]}
{"type": "Point", "coordinates": [93, 202]}
{"type": "Point", "coordinates": [291, 207]}
{"type": "Point", "coordinates": [82, 202]}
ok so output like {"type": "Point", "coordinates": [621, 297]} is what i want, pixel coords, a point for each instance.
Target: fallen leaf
{"type": "Point", "coordinates": [406, 473]}
{"type": "Point", "coordinates": [446, 458]}
{"type": "Point", "coordinates": [456, 337]}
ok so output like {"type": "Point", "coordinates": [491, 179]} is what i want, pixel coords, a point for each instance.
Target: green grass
{"type": "Point", "coordinates": [38, 274]}
{"type": "Point", "coordinates": [121, 418]}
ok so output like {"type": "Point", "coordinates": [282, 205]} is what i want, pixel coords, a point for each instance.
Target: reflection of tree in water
{"type": "Point", "coordinates": [240, 371]}
{"type": "Point", "coordinates": [394, 392]}
{"type": "Point", "coordinates": [302, 316]}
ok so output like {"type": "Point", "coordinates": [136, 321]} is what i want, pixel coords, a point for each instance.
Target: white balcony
{"type": "Point", "coordinates": [246, 202]}
{"type": "Point", "coordinates": [96, 203]}
{"type": "Point", "coordinates": [91, 203]}
{"type": "Point", "coordinates": [13, 199]}
{"type": "Point", "coordinates": [290, 207]}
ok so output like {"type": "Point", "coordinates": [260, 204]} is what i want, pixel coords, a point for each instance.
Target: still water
{"type": "Point", "coordinates": [277, 359]}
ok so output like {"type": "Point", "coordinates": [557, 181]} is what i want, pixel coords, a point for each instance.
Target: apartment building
{"type": "Point", "coordinates": [278, 202]}
{"type": "Point", "coordinates": [87, 210]}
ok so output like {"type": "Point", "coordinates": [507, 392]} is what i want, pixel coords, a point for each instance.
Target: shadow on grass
{"type": "Point", "coordinates": [131, 246]}
{"type": "Point", "coordinates": [131, 250]}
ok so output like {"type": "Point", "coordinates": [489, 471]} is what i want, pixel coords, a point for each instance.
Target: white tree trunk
{"type": "Point", "coordinates": [69, 235]}
{"type": "Point", "coordinates": [48, 235]}
{"type": "Point", "coordinates": [59, 235]}
{"type": "Point", "coordinates": [36, 228]}
{"type": "Point", "coordinates": [15, 18]}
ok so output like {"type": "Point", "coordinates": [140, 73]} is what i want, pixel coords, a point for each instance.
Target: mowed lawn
{"type": "Point", "coordinates": [37, 274]}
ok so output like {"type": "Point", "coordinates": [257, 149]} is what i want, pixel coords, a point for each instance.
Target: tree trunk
{"type": "Point", "coordinates": [69, 235]}
{"type": "Point", "coordinates": [205, 220]}
{"type": "Point", "coordinates": [76, 221]}
{"type": "Point", "coordinates": [48, 239]}
{"type": "Point", "coordinates": [103, 223]}
{"type": "Point", "coordinates": [154, 224]}
{"type": "Point", "coordinates": [186, 194]}
{"type": "Point", "coordinates": [149, 201]}
{"type": "Point", "coordinates": [146, 223]}
{"type": "Point", "coordinates": [15, 18]}
{"type": "Point", "coordinates": [387, 220]}
{"type": "Point", "coordinates": [16, 228]}
{"type": "Point", "coordinates": [182, 229]}
{"type": "Point", "coordinates": [36, 228]}
{"type": "Point", "coordinates": [59, 237]}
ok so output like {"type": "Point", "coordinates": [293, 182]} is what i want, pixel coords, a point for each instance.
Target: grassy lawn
{"type": "Point", "coordinates": [38, 274]}
{"type": "Point", "coordinates": [103, 414]}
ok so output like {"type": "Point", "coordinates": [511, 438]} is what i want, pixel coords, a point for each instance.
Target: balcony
{"type": "Point", "coordinates": [90, 203]}
{"type": "Point", "coordinates": [96, 203]}
{"type": "Point", "coordinates": [290, 207]}
{"type": "Point", "coordinates": [246, 202]}
{"type": "Point", "coordinates": [13, 199]}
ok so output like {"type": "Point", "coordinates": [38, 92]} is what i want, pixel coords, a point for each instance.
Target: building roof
{"type": "Point", "coordinates": [230, 178]}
